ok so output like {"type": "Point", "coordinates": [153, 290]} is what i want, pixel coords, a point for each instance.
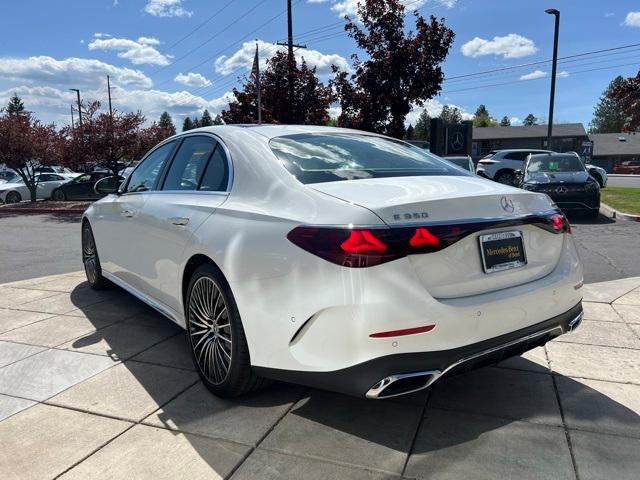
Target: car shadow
{"type": "Point", "coordinates": [579, 219]}
{"type": "Point", "coordinates": [337, 427]}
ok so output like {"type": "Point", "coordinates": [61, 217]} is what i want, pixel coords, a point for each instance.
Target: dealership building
{"type": "Point", "coordinates": [612, 148]}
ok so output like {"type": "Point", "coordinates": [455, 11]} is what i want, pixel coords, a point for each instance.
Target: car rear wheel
{"type": "Point", "coordinates": [91, 260]}
{"type": "Point", "coordinates": [218, 344]}
{"type": "Point", "coordinates": [507, 178]}
{"type": "Point", "coordinates": [13, 197]}
{"type": "Point", "coordinates": [59, 195]}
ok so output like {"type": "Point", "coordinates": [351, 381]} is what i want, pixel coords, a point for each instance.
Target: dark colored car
{"type": "Point", "coordinates": [631, 167]}
{"type": "Point", "coordinates": [564, 178]}
{"type": "Point", "coordinates": [80, 188]}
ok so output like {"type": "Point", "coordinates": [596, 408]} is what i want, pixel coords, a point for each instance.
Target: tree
{"type": "Point", "coordinates": [423, 126]}
{"type": "Point", "coordinates": [609, 115]}
{"type": "Point", "coordinates": [402, 68]}
{"type": "Point", "coordinates": [451, 114]}
{"type": "Point", "coordinates": [206, 120]}
{"type": "Point", "coordinates": [166, 123]}
{"type": "Point", "coordinates": [311, 97]}
{"type": "Point", "coordinates": [410, 133]}
{"type": "Point", "coordinates": [148, 138]}
{"type": "Point", "coordinates": [627, 94]}
{"type": "Point", "coordinates": [15, 106]}
{"type": "Point", "coordinates": [187, 124]}
{"type": "Point", "coordinates": [26, 143]}
{"type": "Point", "coordinates": [505, 122]}
{"type": "Point", "coordinates": [218, 120]}
{"type": "Point", "coordinates": [530, 120]}
{"type": "Point", "coordinates": [483, 119]}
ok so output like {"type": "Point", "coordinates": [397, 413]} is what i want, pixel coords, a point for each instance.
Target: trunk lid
{"type": "Point", "coordinates": [457, 271]}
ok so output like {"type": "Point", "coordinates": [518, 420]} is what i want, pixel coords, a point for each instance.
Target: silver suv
{"type": "Point", "coordinates": [501, 165]}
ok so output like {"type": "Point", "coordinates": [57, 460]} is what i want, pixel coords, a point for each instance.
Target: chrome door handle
{"type": "Point", "coordinates": [127, 213]}
{"type": "Point", "coordinates": [179, 220]}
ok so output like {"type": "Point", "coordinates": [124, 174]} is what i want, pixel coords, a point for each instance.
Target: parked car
{"type": "Point", "coordinates": [565, 179]}
{"type": "Point", "coordinates": [598, 173]}
{"type": "Point", "coordinates": [8, 176]}
{"type": "Point", "coordinates": [16, 191]}
{"type": "Point", "coordinates": [80, 188]}
{"type": "Point", "coordinates": [462, 162]}
{"type": "Point", "coordinates": [501, 165]}
{"type": "Point", "coordinates": [630, 167]}
{"type": "Point", "coordinates": [334, 258]}
{"type": "Point", "coordinates": [64, 171]}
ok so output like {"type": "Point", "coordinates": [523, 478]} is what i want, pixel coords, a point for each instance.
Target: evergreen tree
{"type": "Point", "coordinates": [421, 131]}
{"type": "Point", "coordinates": [206, 120]}
{"type": "Point", "coordinates": [505, 122]}
{"type": "Point", "coordinates": [196, 122]}
{"type": "Point", "coordinates": [187, 124]}
{"type": "Point", "coordinates": [15, 106]}
{"type": "Point", "coordinates": [166, 123]}
{"type": "Point", "coordinates": [409, 134]}
{"type": "Point", "coordinates": [451, 114]}
{"type": "Point", "coordinates": [530, 120]}
{"type": "Point", "coordinates": [218, 120]}
{"type": "Point", "coordinates": [482, 118]}
{"type": "Point", "coordinates": [608, 115]}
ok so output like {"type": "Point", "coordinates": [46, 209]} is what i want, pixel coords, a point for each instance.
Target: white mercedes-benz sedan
{"type": "Point", "coordinates": [333, 258]}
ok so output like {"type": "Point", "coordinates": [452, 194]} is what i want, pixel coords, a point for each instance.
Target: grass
{"type": "Point", "coordinates": [623, 199]}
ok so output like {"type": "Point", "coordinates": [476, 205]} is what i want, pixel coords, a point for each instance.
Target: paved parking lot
{"type": "Point", "coordinates": [96, 385]}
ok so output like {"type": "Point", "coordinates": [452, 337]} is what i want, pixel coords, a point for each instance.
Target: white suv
{"type": "Point", "coordinates": [500, 165]}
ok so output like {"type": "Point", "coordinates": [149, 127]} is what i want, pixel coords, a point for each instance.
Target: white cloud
{"type": "Point", "coordinates": [350, 7]}
{"type": "Point", "coordinates": [632, 19]}
{"type": "Point", "coordinates": [562, 74]}
{"type": "Point", "coordinates": [76, 72]}
{"type": "Point", "coordinates": [434, 108]}
{"type": "Point", "coordinates": [317, 1]}
{"type": "Point", "coordinates": [138, 52]}
{"type": "Point", "coordinates": [244, 58]}
{"type": "Point", "coordinates": [509, 46]}
{"type": "Point", "coordinates": [533, 75]}
{"type": "Point", "coordinates": [166, 8]}
{"type": "Point", "coordinates": [102, 35]}
{"type": "Point", "coordinates": [515, 121]}
{"type": "Point", "coordinates": [192, 80]}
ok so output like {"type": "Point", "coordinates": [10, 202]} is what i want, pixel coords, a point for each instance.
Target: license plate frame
{"type": "Point", "coordinates": [500, 261]}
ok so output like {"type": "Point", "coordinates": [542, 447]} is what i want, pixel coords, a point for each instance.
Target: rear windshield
{"type": "Point", "coordinates": [317, 158]}
{"type": "Point", "coordinates": [555, 163]}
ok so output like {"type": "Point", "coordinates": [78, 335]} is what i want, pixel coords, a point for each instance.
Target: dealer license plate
{"type": "Point", "coordinates": [502, 251]}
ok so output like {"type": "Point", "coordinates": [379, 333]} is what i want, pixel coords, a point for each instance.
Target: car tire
{"type": "Point", "coordinates": [59, 195]}
{"type": "Point", "coordinates": [506, 178]}
{"type": "Point", "coordinates": [216, 337]}
{"type": "Point", "coordinates": [13, 197]}
{"type": "Point", "coordinates": [91, 260]}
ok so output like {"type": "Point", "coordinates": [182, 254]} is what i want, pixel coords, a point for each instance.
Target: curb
{"type": "Point", "coordinates": [613, 213]}
{"type": "Point", "coordinates": [59, 211]}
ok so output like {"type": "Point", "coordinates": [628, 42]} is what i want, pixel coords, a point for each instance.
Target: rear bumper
{"type": "Point", "coordinates": [577, 202]}
{"type": "Point", "coordinates": [375, 378]}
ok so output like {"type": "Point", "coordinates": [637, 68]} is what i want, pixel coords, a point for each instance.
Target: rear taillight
{"type": "Point", "coordinates": [365, 247]}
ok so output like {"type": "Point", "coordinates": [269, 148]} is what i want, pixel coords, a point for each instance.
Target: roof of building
{"type": "Point", "coordinates": [533, 131]}
{"type": "Point", "coordinates": [605, 144]}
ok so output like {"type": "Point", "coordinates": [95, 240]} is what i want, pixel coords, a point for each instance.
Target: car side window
{"type": "Point", "coordinates": [145, 175]}
{"type": "Point", "coordinates": [216, 174]}
{"type": "Point", "coordinates": [86, 178]}
{"type": "Point", "coordinates": [189, 163]}
{"type": "Point", "coordinates": [519, 156]}
{"type": "Point", "coordinates": [47, 177]}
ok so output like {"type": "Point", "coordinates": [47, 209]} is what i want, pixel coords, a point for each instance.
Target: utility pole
{"type": "Point", "coordinates": [73, 125]}
{"type": "Point", "coordinates": [79, 106]}
{"type": "Point", "coordinates": [290, 46]}
{"type": "Point", "coordinates": [109, 90]}
{"type": "Point", "coordinates": [556, 14]}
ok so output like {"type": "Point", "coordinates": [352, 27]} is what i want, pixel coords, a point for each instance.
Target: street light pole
{"type": "Point", "coordinates": [556, 14]}
{"type": "Point", "coordinates": [79, 106]}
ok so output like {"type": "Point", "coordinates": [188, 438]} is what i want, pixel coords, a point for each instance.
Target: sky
{"type": "Point", "coordinates": [183, 56]}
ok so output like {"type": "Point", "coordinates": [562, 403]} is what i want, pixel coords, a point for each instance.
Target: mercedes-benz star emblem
{"type": "Point", "coordinates": [561, 190]}
{"type": "Point", "coordinates": [507, 205]}
{"type": "Point", "coordinates": [457, 142]}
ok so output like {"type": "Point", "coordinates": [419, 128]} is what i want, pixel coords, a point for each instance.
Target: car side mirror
{"type": "Point", "coordinates": [107, 185]}
{"type": "Point", "coordinates": [518, 174]}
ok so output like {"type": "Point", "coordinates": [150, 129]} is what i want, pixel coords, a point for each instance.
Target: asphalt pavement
{"type": "Point", "coordinates": [632, 181]}
{"type": "Point", "coordinates": [38, 245]}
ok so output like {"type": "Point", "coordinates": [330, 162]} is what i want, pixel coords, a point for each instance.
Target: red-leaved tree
{"type": "Point", "coordinates": [402, 69]}
{"type": "Point", "coordinates": [627, 96]}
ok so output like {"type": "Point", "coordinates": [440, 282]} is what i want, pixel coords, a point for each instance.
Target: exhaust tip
{"type": "Point", "coordinates": [402, 384]}
{"type": "Point", "coordinates": [573, 324]}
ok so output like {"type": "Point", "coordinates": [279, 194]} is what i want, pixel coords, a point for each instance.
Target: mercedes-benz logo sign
{"type": "Point", "coordinates": [507, 205]}
{"type": "Point", "coordinates": [561, 190]}
{"type": "Point", "coordinates": [457, 142]}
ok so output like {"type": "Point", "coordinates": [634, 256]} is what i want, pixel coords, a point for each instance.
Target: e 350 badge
{"type": "Point", "coordinates": [410, 216]}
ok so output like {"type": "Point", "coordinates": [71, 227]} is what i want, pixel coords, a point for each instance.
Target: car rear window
{"type": "Point", "coordinates": [317, 158]}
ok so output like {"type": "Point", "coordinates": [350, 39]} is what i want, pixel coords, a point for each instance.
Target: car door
{"type": "Point", "coordinates": [120, 234]}
{"type": "Point", "coordinates": [47, 183]}
{"type": "Point", "coordinates": [75, 188]}
{"type": "Point", "coordinates": [195, 184]}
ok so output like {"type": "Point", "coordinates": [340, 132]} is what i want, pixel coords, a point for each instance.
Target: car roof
{"type": "Point", "coordinates": [271, 131]}
{"type": "Point", "coordinates": [523, 150]}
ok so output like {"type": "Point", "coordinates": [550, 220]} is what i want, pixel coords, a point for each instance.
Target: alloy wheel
{"type": "Point", "coordinates": [210, 330]}
{"type": "Point", "coordinates": [89, 255]}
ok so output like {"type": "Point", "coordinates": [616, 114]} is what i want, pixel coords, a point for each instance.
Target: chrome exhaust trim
{"type": "Point", "coordinates": [431, 376]}
{"type": "Point", "coordinates": [573, 324]}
